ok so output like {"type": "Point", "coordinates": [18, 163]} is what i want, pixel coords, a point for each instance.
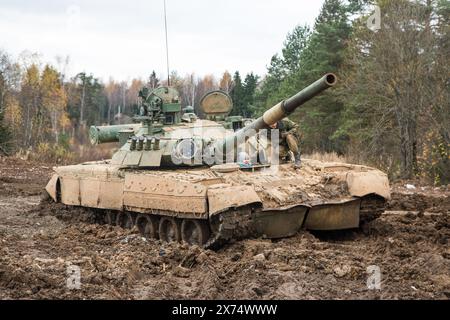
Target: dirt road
{"type": "Point", "coordinates": [410, 245]}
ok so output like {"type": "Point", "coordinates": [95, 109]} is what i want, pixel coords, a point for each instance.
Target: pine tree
{"type": "Point", "coordinates": [270, 84]}
{"type": "Point", "coordinates": [248, 99]}
{"type": "Point", "coordinates": [320, 118]}
{"type": "Point", "coordinates": [281, 68]}
{"type": "Point", "coordinates": [243, 94]}
{"type": "Point", "coordinates": [237, 94]}
{"type": "Point", "coordinates": [295, 44]}
{"type": "Point", "coordinates": [307, 56]}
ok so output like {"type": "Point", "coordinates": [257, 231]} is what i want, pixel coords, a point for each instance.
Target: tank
{"type": "Point", "coordinates": [181, 178]}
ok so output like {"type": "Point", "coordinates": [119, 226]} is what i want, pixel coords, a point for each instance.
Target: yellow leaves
{"type": "Point", "coordinates": [209, 81]}
{"type": "Point", "coordinates": [64, 120]}
{"type": "Point", "coordinates": [32, 76]}
{"type": "Point", "coordinates": [133, 91]}
{"type": "Point", "coordinates": [43, 148]}
{"type": "Point", "coordinates": [53, 94]}
{"type": "Point", "coordinates": [226, 82]}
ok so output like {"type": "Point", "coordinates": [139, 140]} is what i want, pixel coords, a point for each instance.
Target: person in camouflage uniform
{"type": "Point", "coordinates": [289, 139]}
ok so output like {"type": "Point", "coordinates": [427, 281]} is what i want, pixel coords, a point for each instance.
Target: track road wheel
{"type": "Point", "coordinates": [125, 220]}
{"type": "Point", "coordinates": [195, 232]}
{"type": "Point", "coordinates": [148, 226]}
{"type": "Point", "coordinates": [169, 229]}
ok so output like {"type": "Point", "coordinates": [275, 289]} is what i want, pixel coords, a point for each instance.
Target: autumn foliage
{"type": "Point", "coordinates": [391, 108]}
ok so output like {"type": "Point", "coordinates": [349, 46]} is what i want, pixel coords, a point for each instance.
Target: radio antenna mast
{"type": "Point", "coordinates": [167, 44]}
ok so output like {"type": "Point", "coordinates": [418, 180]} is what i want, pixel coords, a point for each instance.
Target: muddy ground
{"type": "Point", "coordinates": [410, 244]}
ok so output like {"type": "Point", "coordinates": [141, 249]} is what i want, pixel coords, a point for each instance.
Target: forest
{"type": "Point", "coordinates": [391, 108]}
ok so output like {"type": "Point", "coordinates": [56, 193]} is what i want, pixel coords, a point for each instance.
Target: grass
{"type": "Point", "coordinates": [328, 157]}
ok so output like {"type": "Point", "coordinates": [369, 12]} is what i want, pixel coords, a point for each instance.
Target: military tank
{"type": "Point", "coordinates": [178, 178]}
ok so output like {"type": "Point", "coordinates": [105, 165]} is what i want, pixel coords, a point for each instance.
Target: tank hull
{"type": "Point", "coordinates": [272, 202]}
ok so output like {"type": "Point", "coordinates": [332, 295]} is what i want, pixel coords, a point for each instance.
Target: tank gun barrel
{"type": "Point", "coordinates": [284, 108]}
{"type": "Point", "coordinates": [291, 104]}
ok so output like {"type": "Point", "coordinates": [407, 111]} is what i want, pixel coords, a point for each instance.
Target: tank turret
{"type": "Point", "coordinates": [164, 138]}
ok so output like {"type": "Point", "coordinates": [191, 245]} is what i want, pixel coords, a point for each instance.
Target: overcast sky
{"type": "Point", "coordinates": [125, 39]}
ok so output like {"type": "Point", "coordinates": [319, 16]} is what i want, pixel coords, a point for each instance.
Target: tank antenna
{"type": "Point", "coordinates": [167, 44]}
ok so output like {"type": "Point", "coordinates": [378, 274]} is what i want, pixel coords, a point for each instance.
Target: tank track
{"type": "Point", "coordinates": [231, 225]}
{"type": "Point", "coordinates": [239, 224]}
{"type": "Point", "coordinates": [372, 207]}
{"type": "Point", "coordinates": [226, 227]}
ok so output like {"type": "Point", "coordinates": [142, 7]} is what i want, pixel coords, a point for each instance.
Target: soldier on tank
{"type": "Point", "coordinates": [289, 139]}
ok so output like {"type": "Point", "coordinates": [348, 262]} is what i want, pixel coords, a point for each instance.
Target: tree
{"type": "Point", "coordinates": [112, 92]}
{"type": "Point", "coordinates": [30, 101]}
{"type": "Point", "coordinates": [237, 95]}
{"type": "Point", "coordinates": [189, 90]}
{"type": "Point", "coordinates": [176, 81]}
{"type": "Point", "coordinates": [5, 135]}
{"type": "Point", "coordinates": [282, 68]}
{"type": "Point", "coordinates": [226, 82]}
{"type": "Point", "coordinates": [54, 101]}
{"type": "Point", "coordinates": [11, 123]}
{"type": "Point", "coordinates": [4, 88]}
{"type": "Point", "coordinates": [243, 94]}
{"type": "Point", "coordinates": [320, 118]}
{"type": "Point", "coordinates": [294, 46]}
{"type": "Point", "coordinates": [394, 88]}
{"type": "Point", "coordinates": [87, 104]}
{"type": "Point", "coordinates": [204, 85]}
{"type": "Point", "coordinates": [133, 96]}
{"type": "Point", "coordinates": [270, 87]}
{"type": "Point", "coordinates": [248, 99]}
{"type": "Point", "coordinates": [307, 56]}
